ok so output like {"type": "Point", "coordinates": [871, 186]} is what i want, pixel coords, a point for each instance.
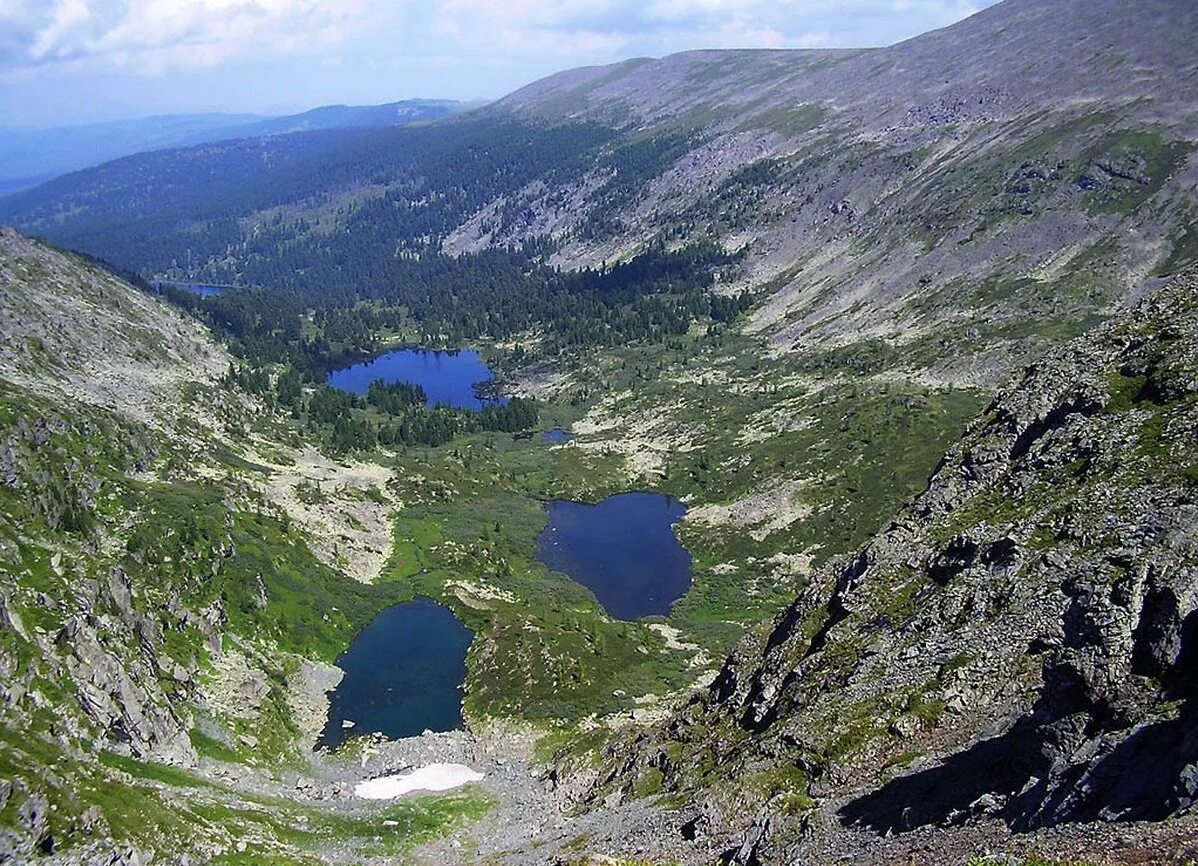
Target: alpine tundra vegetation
{"type": "Point", "coordinates": [888, 356]}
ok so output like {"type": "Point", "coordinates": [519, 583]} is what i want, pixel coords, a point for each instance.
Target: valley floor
{"type": "Point", "coordinates": [519, 815]}
{"type": "Point", "coordinates": [185, 573]}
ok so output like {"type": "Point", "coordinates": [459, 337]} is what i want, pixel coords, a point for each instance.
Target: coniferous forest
{"type": "Point", "coordinates": [308, 328]}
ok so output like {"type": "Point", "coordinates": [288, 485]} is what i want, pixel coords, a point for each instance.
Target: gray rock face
{"type": "Point", "coordinates": [121, 695]}
{"type": "Point", "coordinates": [1029, 625]}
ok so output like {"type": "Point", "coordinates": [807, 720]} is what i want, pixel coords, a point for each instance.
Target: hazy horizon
{"type": "Point", "coordinates": [74, 62]}
{"type": "Point", "coordinates": [265, 114]}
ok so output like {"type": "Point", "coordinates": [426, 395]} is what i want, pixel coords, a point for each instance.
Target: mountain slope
{"type": "Point", "coordinates": [167, 597]}
{"type": "Point", "coordinates": [135, 354]}
{"type": "Point", "coordinates": [904, 191]}
{"type": "Point", "coordinates": [1011, 57]}
{"type": "Point", "coordinates": [929, 195]}
{"type": "Point", "coordinates": [1011, 655]}
{"type": "Point", "coordinates": [1014, 653]}
{"type": "Point", "coordinates": [29, 157]}
{"type": "Point", "coordinates": [343, 116]}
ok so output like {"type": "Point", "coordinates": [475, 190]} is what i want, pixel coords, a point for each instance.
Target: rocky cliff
{"type": "Point", "coordinates": [1016, 652]}
{"type": "Point", "coordinates": [156, 601]}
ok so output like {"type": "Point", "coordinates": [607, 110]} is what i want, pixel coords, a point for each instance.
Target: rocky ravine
{"type": "Point", "coordinates": [1015, 653]}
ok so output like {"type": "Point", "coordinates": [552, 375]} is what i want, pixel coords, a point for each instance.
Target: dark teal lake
{"type": "Point", "coordinates": [448, 378]}
{"type": "Point", "coordinates": [403, 675]}
{"type": "Point", "coordinates": [623, 549]}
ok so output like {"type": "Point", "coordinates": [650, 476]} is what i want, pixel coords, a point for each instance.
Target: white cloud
{"type": "Point", "coordinates": [660, 26]}
{"type": "Point", "coordinates": [99, 56]}
{"type": "Point", "coordinates": [153, 35]}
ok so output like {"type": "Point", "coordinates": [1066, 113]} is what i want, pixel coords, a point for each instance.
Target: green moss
{"type": "Point", "coordinates": [924, 708]}
{"type": "Point", "coordinates": [904, 759]}
{"type": "Point", "coordinates": [852, 736]}
{"type": "Point", "coordinates": [792, 120]}
{"type": "Point", "coordinates": [785, 787]}
{"type": "Point", "coordinates": [956, 663]}
{"type": "Point", "coordinates": [1183, 252]}
{"type": "Point", "coordinates": [163, 773]}
{"type": "Point", "coordinates": [211, 747]}
{"type": "Point", "coordinates": [648, 783]}
{"type": "Point", "coordinates": [569, 742]}
{"type": "Point", "coordinates": [1147, 160]}
{"type": "Point", "coordinates": [1124, 392]}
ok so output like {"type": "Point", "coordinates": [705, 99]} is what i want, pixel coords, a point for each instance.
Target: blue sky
{"type": "Point", "coordinates": [76, 61]}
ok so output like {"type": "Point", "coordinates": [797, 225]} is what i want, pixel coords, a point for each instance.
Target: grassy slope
{"type": "Point", "coordinates": [1069, 504]}
{"type": "Point", "coordinates": [129, 549]}
{"type": "Point", "coordinates": [724, 421]}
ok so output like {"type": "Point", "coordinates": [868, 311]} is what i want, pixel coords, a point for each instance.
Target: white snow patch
{"type": "Point", "coordinates": [434, 777]}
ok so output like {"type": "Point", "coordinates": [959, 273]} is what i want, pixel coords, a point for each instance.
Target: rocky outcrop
{"type": "Point", "coordinates": [121, 694]}
{"type": "Point", "coordinates": [78, 332]}
{"type": "Point", "coordinates": [141, 574]}
{"type": "Point", "coordinates": [1019, 646]}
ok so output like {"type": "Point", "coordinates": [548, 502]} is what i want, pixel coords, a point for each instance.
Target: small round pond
{"type": "Point", "coordinates": [449, 378]}
{"type": "Point", "coordinates": [623, 549]}
{"type": "Point", "coordinates": [403, 675]}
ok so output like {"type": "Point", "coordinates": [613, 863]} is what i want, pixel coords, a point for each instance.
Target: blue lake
{"type": "Point", "coordinates": [204, 290]}
{"type": "Point", "coordinates": [557, 434]}
{"type": "Point", "coordinates": [448, 378]}
{"type": "Point", "coordinates": [403, 675]}
{"type": "Point", "coordinates": [623, 549]}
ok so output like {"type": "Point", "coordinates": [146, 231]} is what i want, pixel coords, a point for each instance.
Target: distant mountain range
{"type": "Point", "coordinates": [32, 156]}
{"type": "Point", "coordinates": [932, 195]}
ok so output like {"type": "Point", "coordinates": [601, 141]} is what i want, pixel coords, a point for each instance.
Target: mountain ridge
{"type": "Point", "coordinates": [889, 193]}
{"type": "Point", "coordinates": [917, 351]}
{"type": "Point", "coordinates": [980, 51]}
{"type": "Point", "coordinates": [30, 157]}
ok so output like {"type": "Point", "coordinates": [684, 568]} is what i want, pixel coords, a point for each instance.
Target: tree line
{"type": "Point", "coordinates": [316, 320]}
{"type": "Point", "coordinates": [389, 414]}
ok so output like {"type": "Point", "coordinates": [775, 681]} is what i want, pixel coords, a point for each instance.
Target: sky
{"type": "Point", "coordinates": [64, 62]}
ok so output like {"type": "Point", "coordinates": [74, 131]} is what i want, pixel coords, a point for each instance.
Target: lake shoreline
{"type": "Point", "coordinates": [404, 674]}
{"type": "Point", "coordinates": [458, 378]}
{"type": "Point", "coordinates": [622, 548]}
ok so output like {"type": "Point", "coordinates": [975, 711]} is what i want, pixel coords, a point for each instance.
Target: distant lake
{"type": "Point", "coordinates": [557, 434]}
{"type": "Point", "coordinates": [204, 290]}
{"type": "Point", "coordinates": [448, 378]}
{"type": "Point", "coordinates": [403, 675]}
{"type": "Point", "coordinates": [623, 549]}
